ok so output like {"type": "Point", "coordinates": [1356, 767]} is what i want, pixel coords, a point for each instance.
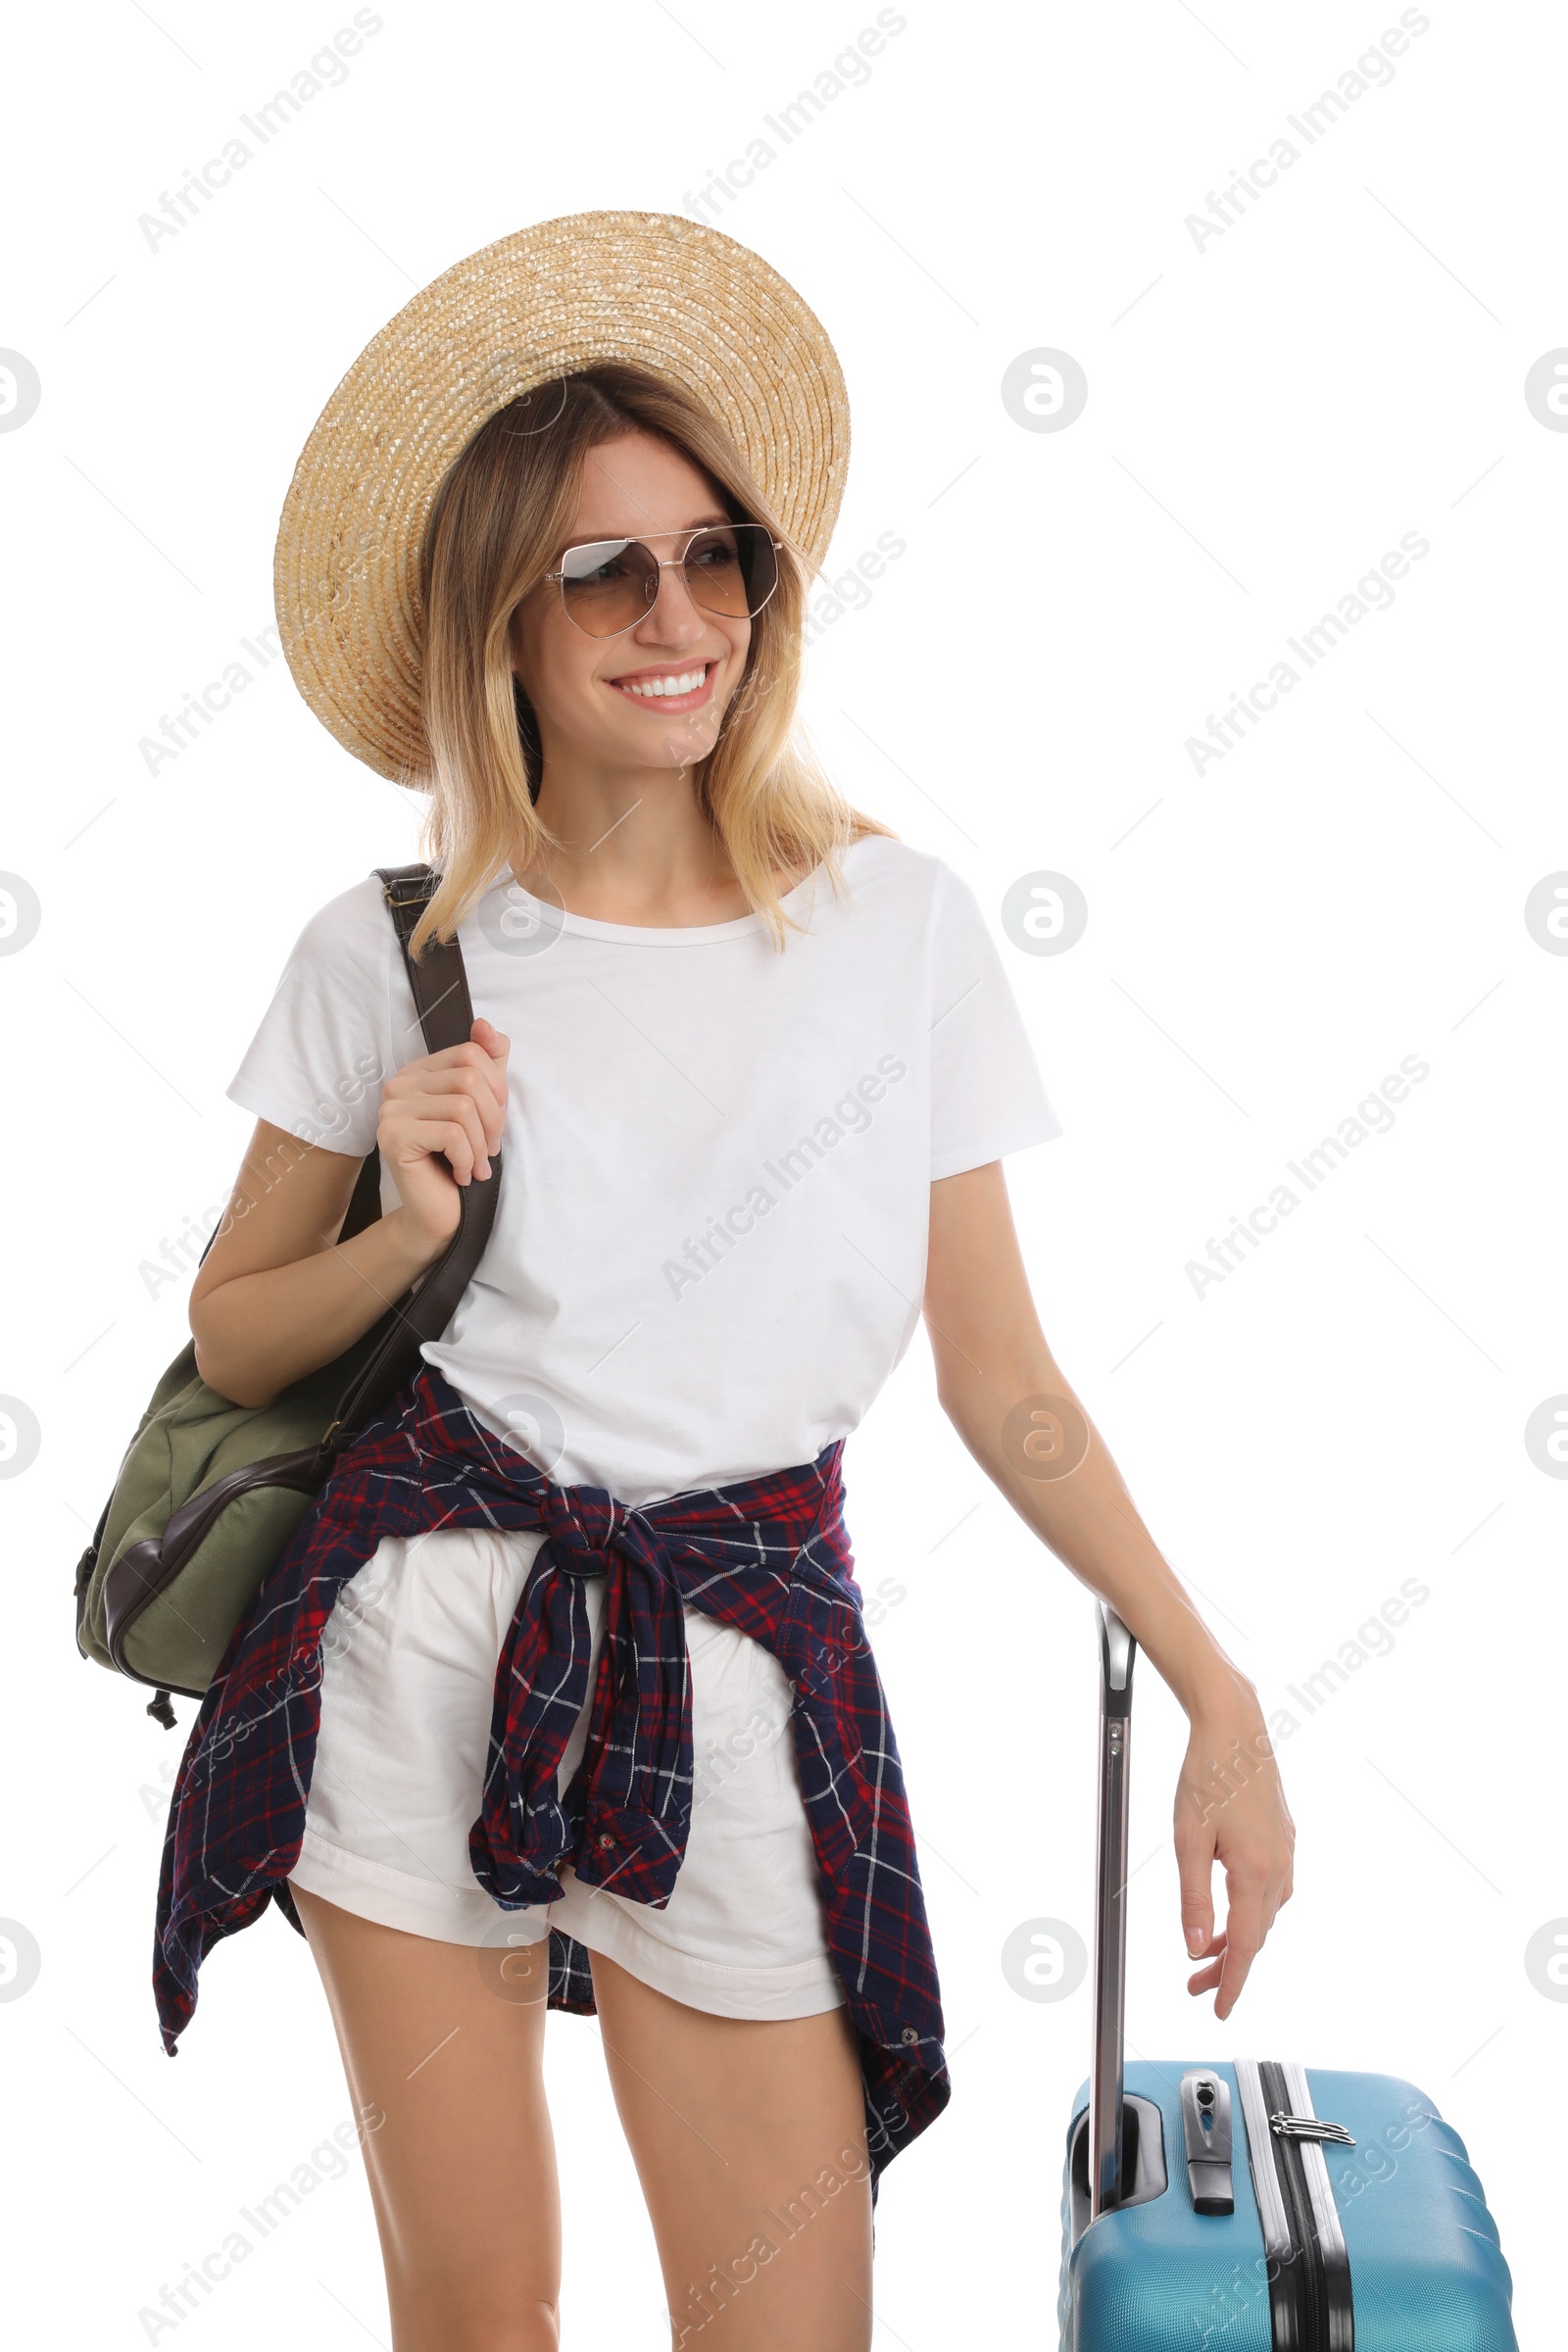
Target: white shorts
{"type": "Point", "coordinates": [409, 1669]}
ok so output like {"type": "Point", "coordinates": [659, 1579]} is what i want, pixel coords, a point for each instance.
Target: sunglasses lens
{"type": "Point", "coordinates": [732, 571]}
{"type": "Point", "coordinates": [609, 584]}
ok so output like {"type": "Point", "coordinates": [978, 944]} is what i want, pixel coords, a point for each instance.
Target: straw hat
{"type": "Point", "coordinates": [670, 293]}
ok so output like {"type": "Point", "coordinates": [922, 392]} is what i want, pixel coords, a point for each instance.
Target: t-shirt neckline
{"type": "Point", "coordinates": [671, 935]}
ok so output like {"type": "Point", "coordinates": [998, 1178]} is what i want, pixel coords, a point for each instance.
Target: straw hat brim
{"type": "Point", "coordinates": [673, 294]}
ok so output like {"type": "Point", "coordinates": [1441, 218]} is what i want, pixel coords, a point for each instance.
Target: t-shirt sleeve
{"type": "Point", "coordinates": [987, 1095]}
{"type": "Point", "coordinates": [336, 1029]}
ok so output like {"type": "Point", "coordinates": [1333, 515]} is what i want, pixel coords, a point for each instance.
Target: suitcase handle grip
{"type": "Point", "coordinates": [1117, 1651]}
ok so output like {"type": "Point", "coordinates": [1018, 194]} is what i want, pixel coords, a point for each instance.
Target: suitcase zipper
{"type": "Point", "coordinates": [1338, 2303]}
{"type": "Point", "coordinates": [1309, 2267]}
{"type": "Point", "coordinates": [1306, 2256]}
{"type": "Point", "coordinates": [1280, 2243]}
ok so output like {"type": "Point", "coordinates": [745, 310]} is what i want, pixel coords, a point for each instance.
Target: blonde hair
{"type": "Point", "coordinates": [504, 509]}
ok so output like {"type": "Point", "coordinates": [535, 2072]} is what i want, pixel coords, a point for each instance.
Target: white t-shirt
{"type": "Point", "coordinates": [710, 1240]}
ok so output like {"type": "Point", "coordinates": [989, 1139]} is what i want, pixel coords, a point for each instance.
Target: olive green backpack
{"type": "Point", "coordinates": [209, 1491]}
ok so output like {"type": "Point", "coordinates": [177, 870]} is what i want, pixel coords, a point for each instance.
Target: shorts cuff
{"type": "Point", "coordinates": [395, 1898]}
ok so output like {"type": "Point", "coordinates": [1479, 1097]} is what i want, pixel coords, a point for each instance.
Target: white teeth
{"type": "Point", "coordinates": [686, 682]}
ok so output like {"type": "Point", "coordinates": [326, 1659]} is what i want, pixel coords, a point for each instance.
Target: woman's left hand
{"type": "Point", "coordinates": [1231, 1809]}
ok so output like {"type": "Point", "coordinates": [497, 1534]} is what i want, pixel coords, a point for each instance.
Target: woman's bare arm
{"type": "Point", "coordinates": [277, 1294]}
{"type": "Point", "coordinates": [1012, 1405]}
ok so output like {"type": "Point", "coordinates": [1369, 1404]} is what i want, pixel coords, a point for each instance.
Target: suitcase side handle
{"type": "Point", "coordinates": [1117, 1651]}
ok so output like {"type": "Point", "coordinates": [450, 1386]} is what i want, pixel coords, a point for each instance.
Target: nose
{"type": "Point", "coordinates": [673, 618]}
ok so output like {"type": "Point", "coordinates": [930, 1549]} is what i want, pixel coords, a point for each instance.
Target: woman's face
{"type": "Point", "coordinates": [580, 686]}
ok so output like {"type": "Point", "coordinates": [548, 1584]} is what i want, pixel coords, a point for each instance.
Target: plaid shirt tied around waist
{"type": "Point", "coordinates": [767, 1556]}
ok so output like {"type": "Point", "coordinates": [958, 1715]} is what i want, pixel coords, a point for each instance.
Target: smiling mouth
{"type": "Point", "coordinates": [678, 689]}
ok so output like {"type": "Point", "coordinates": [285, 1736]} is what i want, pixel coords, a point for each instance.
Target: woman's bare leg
{"type": "Point", "coordinates": [446, 2042]}
{"type": "Point", "coordinates": [749, 2139]}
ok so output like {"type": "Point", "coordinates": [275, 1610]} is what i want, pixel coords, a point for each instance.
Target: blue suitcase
{"type": "Point", "coordinates": [1256, 2205]}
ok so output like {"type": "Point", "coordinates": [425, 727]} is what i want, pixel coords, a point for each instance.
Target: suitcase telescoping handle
{"type": "Point", "coordinates": [1117, 1650]}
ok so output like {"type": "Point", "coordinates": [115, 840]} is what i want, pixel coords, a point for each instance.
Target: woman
{"type": "Point", "coordinates": [576, 1704]}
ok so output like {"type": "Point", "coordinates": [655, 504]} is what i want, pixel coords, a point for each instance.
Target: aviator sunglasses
{"type": "Point", "coordinates": [608, 585]}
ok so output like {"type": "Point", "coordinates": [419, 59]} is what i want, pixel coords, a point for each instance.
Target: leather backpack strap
{"type": "Point", "coordinates": [439, 981]}
{"type": "Point", "coordinates": [440, 985]}
{"type": "Point", "coordinates": [364, 1201]}
{"type": "Point", "coordinates": [440, 988]}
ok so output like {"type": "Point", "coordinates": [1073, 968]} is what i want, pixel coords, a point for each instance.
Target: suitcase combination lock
{"type": "Point", "coordinates": [1206, 2129]}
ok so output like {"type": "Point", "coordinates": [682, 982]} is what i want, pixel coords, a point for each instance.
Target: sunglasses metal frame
{"type": "Point", "coordinates": [676, 564]}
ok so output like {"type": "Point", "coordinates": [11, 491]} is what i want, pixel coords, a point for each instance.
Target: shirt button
{"type": "Point", "coordinates": [606, 1838]}
{"type": "Point", "coordinates": [910, 2035]}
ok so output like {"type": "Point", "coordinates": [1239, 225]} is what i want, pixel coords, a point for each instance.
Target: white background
{"type": "Point", "coordinates": [1266, 940]}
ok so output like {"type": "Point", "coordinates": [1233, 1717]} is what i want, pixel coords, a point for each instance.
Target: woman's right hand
{"type": "Point", "coordinates": [455, 1102]}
